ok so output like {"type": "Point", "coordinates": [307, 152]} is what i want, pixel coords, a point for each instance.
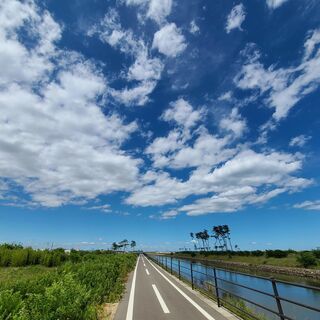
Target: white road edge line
{"type": "Point", "coordinates": [147, 271]}
{"type": "Point", "coordinates": [161, 301]}
{"type": "Point", "coordinates": [201, 310]}
{"type": "Point", "coordinates": [131, 297]}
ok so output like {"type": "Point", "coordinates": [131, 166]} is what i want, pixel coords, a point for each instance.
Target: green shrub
{"type": "Point", "coordinates": [276, 254]}
{"type": "Point", "coordinates": [10, 303]}
{"type": "Point", "coordinates": [316, 253]}
{"type": "Point", "coordinates": [19, 258]}
{"type": "Point", "coordinates": [72, 291]}
{"type": "Point", "coordinates": [65, 299]}
{"type": "Point", "coordinates": [306, 259]}
{"type": "Point", "coordinates": [5, 257]}
{"type": "Point", "coordinates": [257, 253]}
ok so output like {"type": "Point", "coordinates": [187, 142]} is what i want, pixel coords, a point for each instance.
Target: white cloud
{"type": "Point", "coordinates": [194, 28]}
{"type": "Point", "coordinates": [171, 214]}
{"type": "Point", "coordinates": [284, 87]}
{"type": "Point", "coordinates": [227, 96]}
{"type": "Point", "coordinates": [17, 63]}
{"type": "Point", "coordinates": [176, 150]}
{"type": "Point", "coordinates": [55, 141]}
{"type": "Point", "coordinates": [308, 205]}
{"type": "Point", "coordinates": [145, 70]}
{"type": "Point", "coordinates": [137, 95]}
{"type": "Point", "coordinates": [169, 40]}
{"type": "Point", "coordinates": [153, 9]}
{"type": "Point", "coordinates": [274, 4]}
{"type": "Point", "coordinates": [299, 141]}
{"type": "Point", "coordinates": [159, 10]}
{"type": "Point", "coordinates": [235, 18]}
{"type": "Point", "coordinates": [233, 123]}
{"type": "Point", "coordinates": [104, 208]}
{"type": "Point", "coordinates": [247, 178]}
{"type": "Point", "coordinates": [207, 150]}
{"type": "Point", "coordinates": [183, 114]}
{"type": "Point", "coordinates": [163, 190]}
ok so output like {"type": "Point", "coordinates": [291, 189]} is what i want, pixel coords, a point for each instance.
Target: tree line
{"type": "Point", "coordinates": [221, 236]}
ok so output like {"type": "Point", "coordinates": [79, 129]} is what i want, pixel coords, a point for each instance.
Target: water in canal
{"type": "Point", "coordinates": [204, 277]}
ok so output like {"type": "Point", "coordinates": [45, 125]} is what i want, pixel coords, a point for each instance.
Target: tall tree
{"type": "Point", "coordinates": [194, 241]}
{"type": "Point", "coordinates": [227, 231]}
{"type": "Point", "coordinates": [206, 237]}
{"type": "Point", "coordinates": [123, 244]}
{"type": "Point", "coordinates": [133, 244]}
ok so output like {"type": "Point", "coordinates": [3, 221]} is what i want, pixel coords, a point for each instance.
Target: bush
{"type": "Point", "coordinates": [257, 253]}
{"type": "Point", "coordinates": [316, 253]}
{"type": "Point", "coordinates": [276, 254]}
{"type": "Point", "coordinates": [65, 299]}
{"type": "Point", "coordinates": [10, 303]}
{"type": "Point", "coordinates": [72, 291]}
{"type": "Point", "coordinates": [306, 259]}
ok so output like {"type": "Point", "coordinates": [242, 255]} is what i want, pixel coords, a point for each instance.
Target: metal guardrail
{"type": "Point", "coordinates": [187, 273]}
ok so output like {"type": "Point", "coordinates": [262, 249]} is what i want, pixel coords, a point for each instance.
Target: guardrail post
{"type": "Point", "coordinates": [166, 264]}
{"type": "Point", "coordinates": [191, 274]}
{"type": "Point", "coordinates": [171, 264]}
{"type": "Point", "coordinates": [179, 269]}
{"type": "Point", "coordinates": [216, 286]}
{"type": "Point", "coordinates": [276, 296]}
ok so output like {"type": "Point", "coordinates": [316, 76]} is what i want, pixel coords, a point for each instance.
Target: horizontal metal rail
{"type": "Point", "coordinates": [189, 274]}
{"type": "Point", "coordinates": [211, 264]}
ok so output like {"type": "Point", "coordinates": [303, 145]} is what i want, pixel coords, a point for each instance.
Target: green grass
{"type": "Point", "coordinates": [234, 304]}
{"type": "Point", "coordinates": [11, 275]}
{"type": "Point", "coordinates": [289, 261]}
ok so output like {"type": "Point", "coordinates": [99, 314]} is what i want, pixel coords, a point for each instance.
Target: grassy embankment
{"type": "Point", "coordinates": [75, 289]}
{"type": "Point", "coordinates": [278, 258]}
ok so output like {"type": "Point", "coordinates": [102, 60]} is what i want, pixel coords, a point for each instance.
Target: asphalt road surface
{"type": "Point", "coordinates": [153, 294]}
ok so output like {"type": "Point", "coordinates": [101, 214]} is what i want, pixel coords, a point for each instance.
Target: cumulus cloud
{"type": "Point", "coordinates": [169, 40]}
{"type": "Point", "coordinates": [56, 144]}
{"type": "Point", "coordinates": [233, 123]}
{"type": "Point", "coordinates": [143, 74]}
{"type": "Point", "coordinates": [153, 9]}
{"type": "Point", "coordinates": [184, 117]}
{"type": "Point", "coordinates": [187, 145]}
{"type": "Point", "coordinates": [183, 114]}
{"type": "Point", "coordinates": [207, 150]}
{"type": "Point", "coordinates": [235, 18]}
{"type": "Point", "coordinates": [299, 141]}
{"type": "Point", "coordinates": [283, 88]}
{"type": "Point", "coordinates": [246, 178]}
{"type": "Point", "coordinates": [308, 205]}
{"type": "Point", "coordinates": [274, 4]}
{"type": "Point", "coordinates": [159, 10]}
{"type": "Point", "coordinates": [61, 144]}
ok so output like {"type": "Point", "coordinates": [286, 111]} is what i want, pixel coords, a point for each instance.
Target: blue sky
{"type": "Point", "coordinates": [148, 120]}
